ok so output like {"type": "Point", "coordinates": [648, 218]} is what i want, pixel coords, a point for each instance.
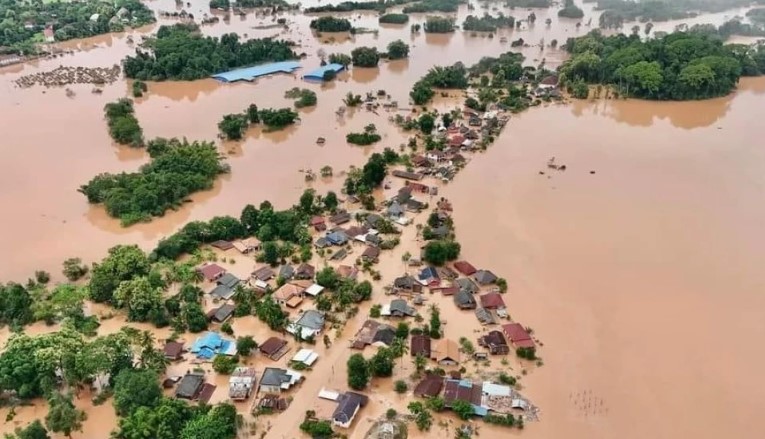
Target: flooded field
{"type": "Point", "coordinates": [637, 267]}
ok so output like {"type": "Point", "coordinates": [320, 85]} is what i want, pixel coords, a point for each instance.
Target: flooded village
{"type": "Point", "coordinates": [556, 270]}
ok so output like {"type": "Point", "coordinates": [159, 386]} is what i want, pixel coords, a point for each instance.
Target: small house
{"type": "Point", "coordinates": [264, 273]}
{"type": "Point", "coordinates": [467, 285]}
{"type": "Point", "coordinates": [287, 293]}
{"type": "Point", "coordinates": [464, 390]}
{"type": "Point", "coordinates": [309, 324]}
{"type": "Point", "coordinates": [211, 272]}
{"type": "Point", "coordinates": [429, 387]}
{"type": "Point", "coordinates": [518, 336]}
{"type": "Point", "coordinates": [286, 272]}
{"type": "Point", "coordinates": [495, 342]}
{"type": "Point", "coordinates": [222, 292]}
{"type": "Point", "coordinates": [317, 222]}
{"type": "Point", "coordinates": [190, 386]}
{"type": "Point", "coordinates": [484, 316]}
{"type": "Point", "coordinates": [337, 237]}
{"type": "Point", "coordinates": [305, 272]}
{"type": "Point", "coordinates": [384, 336]}
{"type": "Point", "coordinates": [340, 218]}
{"type": "Point", "coordinates": [210, 344]}
{"type": "Point", "coordinates": [274, 380]}
{"type": "Point", "coordinates": [274, 348]}
{"type": "Point", "coordinates": [406, 284]}
{"type": "Point", "coordinates": [420, 345]}
{"type": "Point", "coordinates": [348, 406]}
{"type": "Point", "coordinates": [370, 254]}
{"type": "Point", "coordinates": [173, 350]}
{"type": "Point", "coordinates": [492, 301]}
{"type": "Point", "coordinates": [485, 277]}
{"type": "Point", "coordinates": [241, 383]}
{"type": "Point", "coordinates": [428, 275]}
{"type": "Point", "coordinates": [221, 313]}
{"type": "Point", "coordinates": [395, 210]}
{"type": "Point", "coordinates": [228, 280]}
{"type": "Point", "coordinates": [306, 357]}
{"type": "Point", "coordinates": [465, 268]}
{"type": "Point", "coordinates": [446, 352]}
{"type": "Point", "coordinates": [399, 308]}
{"type": "Point", "coordinates": [222, 245]}
{"type": "Point", "coordinates": [347, 271]}
{"type": "Point", "coordinates": [314, 290]}
{"type": "Point", "coordinates": [464, 300]}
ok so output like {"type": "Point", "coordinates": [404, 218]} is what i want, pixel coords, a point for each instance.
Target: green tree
{"type": "Point", "coordinates": [644, 77]}
{"type": "Point", "coordinates": [15, 305]}
{"type": "Point", "coordinates": [245, 345]}
{"type": "Point", "coordinates": [438, 252]}
{"type": "Point", "coordinates": [218, 423]}
{"type": "Point", "coordinates": [63, 417]}
{"type": "Point", "coordinates": [419, 362]}
{"type": "Point", "coordinates": [402, 330]}
{"type": "Point", "coordinates": [381, 364]}
{"type": "Point", "coordinates": [330, 201]}
{"type": "Point", "coordinates": [252, 114]}
{"type": "Point", "coordinates": [340, 58]}
{"type": "Point", "coordinates": [124, 262]}
{"type": "Point", "coordinates": [135, 388]}
{"type": "Point", "coordinates": [435, 322]}
{"type": "Point", "coordinates": [436, 403]}
{"type": "Point", "coordinates": [74, 269]}
{"type": "Point", "coordinates": [331, 24]}
{"type": "Point", "coordinates": [233, 126]}
{"type": "Point", "coordinates": [398, 49]}
{"type": "Point", "coordinates": [463, 409]}
{"type": "Point", "coordinates": [426, 123]}
{"type": "Point", "coordinates": [195, 317]}
{"type": "Point", "coordinates": [141, 299]}
{"type": "Point", "coordinates": [161, 422]}
{"type": "Point", "coordinates": [365, 57]}
{"type": "Point", "coordinates": [34, 430]}
{"type": "Point", "coordinates": [358, 372]}
{"type": "Point", "coordinates": [400, 386]}
{"type": "Point", "coordinates": [271, 253]}
{"type": "Point", "coordinates": [225, 364]}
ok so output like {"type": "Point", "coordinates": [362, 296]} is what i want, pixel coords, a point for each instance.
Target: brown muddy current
{"type": "Point", "coordinates": [642, 279]}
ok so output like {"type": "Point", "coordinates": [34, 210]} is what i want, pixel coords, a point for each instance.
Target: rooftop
{"type": "Point", "coordinates": [250, 73]}
{"type": "Point", "coordinates": [318, 74]}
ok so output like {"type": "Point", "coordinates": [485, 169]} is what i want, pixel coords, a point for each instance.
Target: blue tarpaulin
{"type": "Point", "coordinates": [210, 344]}
{"type": "Point", "coordinates": [318, 74]}
{"type": "Point", "coordinates": [250, 73]}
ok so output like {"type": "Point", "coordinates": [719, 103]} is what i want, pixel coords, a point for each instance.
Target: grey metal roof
{"type": "Point", "coordinates": [222, 292]}
{"type": "Point", "coordinates": [286, 272]}
{"type": "Point", "coordinates": [189, 386]}
{"type": "Point", "coordinates": [348, 405]}
{"type": "Point", "coordinates": [273, 376]}
{"type": "Point", "coordinates": [311, 319]}
{"type": "Point", "coordinates": [485, 277]}
{"type": "Point", "coordinates": [228, 280]}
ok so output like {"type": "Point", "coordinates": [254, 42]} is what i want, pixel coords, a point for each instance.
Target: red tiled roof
{"type": "Point", "coordinates": [492, 301]}
{"type": "Point", "coordinates": [211, 271]}
{"type": "Point", "coordinates": [430, 386]}
{"type": "Point", "coordinates": [317, 220]}
{"type": "Point", "coordinates": [420, 345]}
{"type": "Point", "coordinates": [206, 393]}
{"type": "Point", "coordinates": [465, 268]}
{"type": "Point", "coordinates": [518, 335]}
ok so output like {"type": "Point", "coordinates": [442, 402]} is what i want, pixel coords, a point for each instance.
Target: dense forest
{"type": "Point", "coordinates": [177, 169]}
{"type": "Point", "coordinates": [678, 66]}
{"type": "Point", "coordinates": [24, 21]}
{"type": "Point", "coordinates": [180, 52]}
{"type": "Point", "coordinates": [617, 12]}
{"type": "Point", "coordinates": [454, 76]}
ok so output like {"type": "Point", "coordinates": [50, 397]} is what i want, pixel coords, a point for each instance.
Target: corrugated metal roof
{"type": "Point", "coordinates": [250, 73]}
{"type": "Point", "coordinates": [318, 74]}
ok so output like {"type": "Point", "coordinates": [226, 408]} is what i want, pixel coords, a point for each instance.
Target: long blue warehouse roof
{"type": "Point", "coordinates": [250, 73]}
{"type": "Point", "coordinates": [318, 74]}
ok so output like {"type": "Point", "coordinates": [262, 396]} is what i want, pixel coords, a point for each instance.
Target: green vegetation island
{"type": "Point", "coordinates": [617, 12]}
{"type": "Point", "coordinates": [678, 66]}
{"type": "Point", "coordinates": [26, 23]}
{"type": "Point", "coordinates": [180, 52]}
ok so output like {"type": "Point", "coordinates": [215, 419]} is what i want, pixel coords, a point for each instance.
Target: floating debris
{"type": "Point", "coordinates": [71, 75]}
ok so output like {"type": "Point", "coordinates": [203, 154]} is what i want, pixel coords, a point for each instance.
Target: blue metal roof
{"type": "Point", "coordinates": [318, 74]}
{"type": "Point", "coordinates": [250, 73]}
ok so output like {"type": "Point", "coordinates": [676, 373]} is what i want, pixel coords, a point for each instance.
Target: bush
{"type": "Point", "coordinates": [225, 364]}
{"type": "Point", "coordinates": [331, 24]}
{"type": "Point", "coordinates": [439, 25]}
{"type": "Point", "coordinates": [391, 413]}
{"type": "Point", "coordinates": [438, 252]}
{"type": "Point", "coordinates": [398, 49]}
{"type": "Point", "coordinates": [400, 386]}
{"type": "Point", "coordinates": [365, 57]}
{"type": "Point", "coordinates": [276, 119]}
{"type": "Point", "coordinates": [233, 126]}
{"type": "Point", "coordinates": [303, 96]}
{"type": "Point", "coordinates": [394, 18]}
{"type": "Point", "coordinates": [527, 353]}
{"type": "Point", "coordinates": [123, 125]}
{"type": "Point", "coordinates": [358, 372]}
{"type": "Point", "coordinates": [74, 269]}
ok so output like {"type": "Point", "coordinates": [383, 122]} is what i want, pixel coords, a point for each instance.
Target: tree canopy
{"type": "Point", "coordinates": [398, 49]}
{"type": "Point", "coordinates": [180, 52]}
{"type": "Point", "coordinates": [358, 372]}
{"type": "Point", "coordinates": [123, 125]}
{"type": "Point", "coordinates": [134, 389]}
{"type": "Point", "coordinates": [365, 57]}
{"type": "Point", "coordinates": [177, 169]}
{"type": "Point", "coordinates": [679, 66]}
{"type": "Point", "coordinates": [454, 76]}
{"type": "Point", "coordinates": [329, 23]}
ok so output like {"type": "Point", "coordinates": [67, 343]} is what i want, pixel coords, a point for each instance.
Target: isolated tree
{"type": "Point", "coordinates": [398, 49]}
{"type": "Point", "coordinates": [330, 201]}
{"type": "Point", "coordinates": [358, 372]}
{"type": "Point", "coordinates": [34, 430]}
{"type": "Point", "coordinates": [63, 417]}
{"type": "Point", "coordinates": [74, 269]}
{"type": "Point", "coordinates": [381, 363]}
{"type": "Point", "coordinates": [245, 345]}
{"type": "Point", "coordinates": [419, 362]}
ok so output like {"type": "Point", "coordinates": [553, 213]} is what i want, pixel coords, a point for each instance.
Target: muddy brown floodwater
{"type": "Point", "coordinates": [642, 279]}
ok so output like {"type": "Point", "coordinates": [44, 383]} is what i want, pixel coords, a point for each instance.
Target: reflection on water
{"type": "Point", "coordinates": [365, 75]}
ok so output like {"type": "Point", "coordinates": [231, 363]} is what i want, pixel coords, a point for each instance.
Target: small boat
{"type": "Point", "coordinates": [320, 141]}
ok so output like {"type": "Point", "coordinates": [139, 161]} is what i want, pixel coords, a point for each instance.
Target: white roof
{"type": "Point", "coordinates": [328, 394]}
{"type": "Point", "coordinates": [314, 290]}
{"type": "Point", "coordinates": [361, 238]}
{"type": "Point", "coordinates": [385, 310]}
{"type": "Point", "coordinates": [495, 389]}
{"type": "Point", "coordinates": [520, 404]}
{"type": "Point", "coordinates": [402, 220]}
{"type": "Point", "coordinates": [260, 284]}
{"type": "Point", "coordinates": [305, 356]}
{"type": "Point", "coordinates": [304, 332]}
{"type": "Point", "coordinates": [294, 378]}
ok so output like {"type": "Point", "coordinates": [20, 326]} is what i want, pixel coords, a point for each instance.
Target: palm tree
{"type": "Point", "coordinates": [419, 362]}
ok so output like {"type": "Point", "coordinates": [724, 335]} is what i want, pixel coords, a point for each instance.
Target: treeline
{"type": "Point", "coordinates": [123, 125]}
{"type": "Point", "coordinates": [233, 126]}
{"type": "Point", "coordinates": [23, 21]}
{"type": "Point", "coordinates": [380, 6]}
{"type": "Point", "coordinates": [487, 23]}
{"type": "Point", "coordinates": [439, 25]}
{"type": "Point", "coordinates": [433, 6]}
{"type": "Point", "coordinates": [617, 12]}
{"type": "Point", "coordinates": [394, 18]}
{"type": "Point", "coordinates": [330, 24]}
{"type": "Point", "coordinates": [454, 76]}
{"type": "Point", "coordinates": [362, 181]}
{"type": "Point", "coordinates": [528, 3]}
{"type": "Point", "coordinates": [177, 169]}
{"type": "Point", "coordinates": [180, 52]}
{"type": "Point", "coordinates": [679, 66]}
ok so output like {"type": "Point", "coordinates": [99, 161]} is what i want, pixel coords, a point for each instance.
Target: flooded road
{"type": "Point", "coordinates": [642, 279]}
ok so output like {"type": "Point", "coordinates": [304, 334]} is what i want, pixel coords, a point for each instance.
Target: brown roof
{"type": "Point", "coordinates": [287, 292]}
{"type": "Point", "coordinates": [371, 253]}
{"type": "Point", "coordinates": [206, 393]}
{"type": "Point", "coordinates": [550, 80]}
{"type": "Point", "coordinates": [492, 301]}
{"type": "Point", "coordinates": [305, 271]}
{"type": "Point", "coordinates": [347, 271]}
{"type": "Point", "coordinates": [446, 291]}
{"type": "Point", "coordinates": [272, 346]}
{"type": "Point", "coordinates": [223, 245]}
{"type": "Point", "coordinates": [420, 345]}
{"type": "Point", "coordinates": [173, 349]}
{"type": "Point", "coordinates": [456, 390]}
{"type": "Point", "coordinates": [518, 335]}
{"type": "Point", "coordinates": [356, 231]}
{"type": "Point", "coordinates": [493, 338]}
{"type": "Point", "coordinates": [263, 273]}
{"type": "Point", "coordinates": [464, 267]}
{"type": "Point", "coordinates": [295, 301]}
{"type": "Point", "coordinates": [211, 271]}
{"type": "Point", "coordinates": [430, 386]}
{"type": "Point", "coordinates": [317, 220]}
{"type": "Point", "coordinates": [446, 349]}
